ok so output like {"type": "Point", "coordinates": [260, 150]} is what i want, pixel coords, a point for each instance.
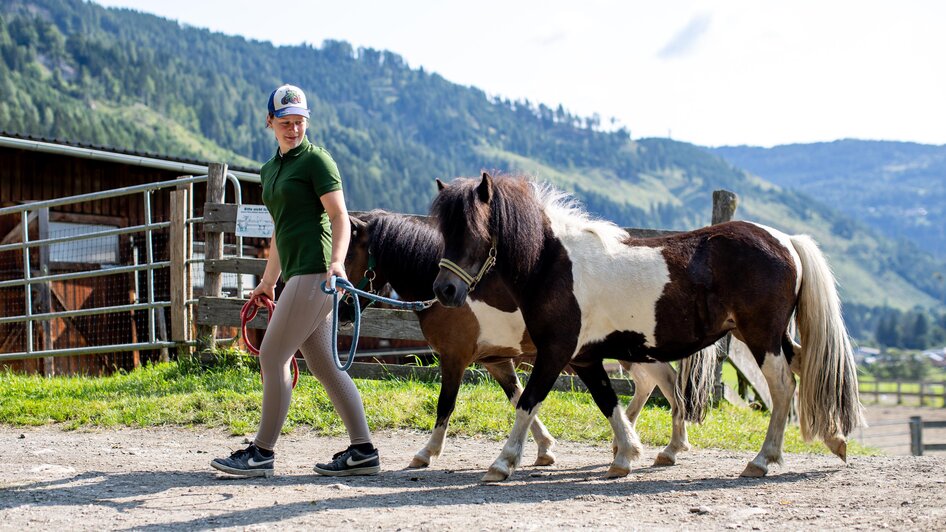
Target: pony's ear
{"type": "Point", "coordinates": [357, 224]}
{"type": "Point", "coordinates": [440, 185]}
{"type": "Point", "coordinates": [485, 188]}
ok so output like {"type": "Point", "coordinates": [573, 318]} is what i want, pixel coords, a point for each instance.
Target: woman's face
{"type": "Point", "coordinates": [289, 131]}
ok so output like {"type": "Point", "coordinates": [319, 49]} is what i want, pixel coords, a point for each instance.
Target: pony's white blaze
{"type": "Point", "coordinates": [498, 328]}
{"type": "Point", "coordinates": [617, 286]}
{"type": "Point", "coordinates": [786, 243]}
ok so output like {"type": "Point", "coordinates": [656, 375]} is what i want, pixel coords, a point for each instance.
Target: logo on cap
{"type": "Point", "coordinates": [291, 96]}
{"type": "Point", "coordinates": [288, 100]}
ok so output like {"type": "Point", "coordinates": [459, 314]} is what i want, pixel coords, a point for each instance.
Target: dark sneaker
{"type": "Point", "coordinates": [247, 462]}
{"type": "Point", "coordinates": [350, 462]}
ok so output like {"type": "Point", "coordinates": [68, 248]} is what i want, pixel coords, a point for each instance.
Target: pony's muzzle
{"type": "Point", "coordinates": [450, 293]}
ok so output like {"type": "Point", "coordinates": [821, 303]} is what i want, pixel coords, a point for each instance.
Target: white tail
{"type": "Point", "coordinates": [694, 384]}
{"type": "Point", "coordinates": [828, 403]}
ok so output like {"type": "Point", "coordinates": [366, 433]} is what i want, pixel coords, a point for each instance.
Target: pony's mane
{"type": "Point", "coordinates": [408, 249]}
{"type": "Point", "coordinates": [567, 216]}
{"type": "Point", "coordinates": [515, 218]}
{"type": "Point", "coordinates": [516, 222]}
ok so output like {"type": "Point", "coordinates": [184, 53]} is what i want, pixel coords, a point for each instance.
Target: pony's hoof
{"type": "Point", "coordinates": [839, 449]}
{"type": "Point", "coordinates": [419, 463]}
{"type": "Point", "coordinates": [495, 475]}
{"type": "Point", "coordinates": [617, 472]}
{"type": "Point", "coordinates": [544, 459]}
{"type": "Point", "coordinates": [664, 460]}
{"type": "Point", "coordinates": [842, 452]}
{"type": "Point", "coordinates": [753, 471]}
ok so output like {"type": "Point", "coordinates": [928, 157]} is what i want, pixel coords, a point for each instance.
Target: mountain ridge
{"type": "Point", "coordinates": [894, 187]}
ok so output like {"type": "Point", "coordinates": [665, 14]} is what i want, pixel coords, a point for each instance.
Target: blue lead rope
{"type": "Point", "coordinates": [331, 287]}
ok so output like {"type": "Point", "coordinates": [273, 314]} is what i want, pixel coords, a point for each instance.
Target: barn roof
{"type": "Point", "coordinates": [133, 157]}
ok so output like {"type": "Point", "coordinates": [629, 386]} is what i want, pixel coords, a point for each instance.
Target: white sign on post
{"type": "Point", "coordinates": [254, 221]}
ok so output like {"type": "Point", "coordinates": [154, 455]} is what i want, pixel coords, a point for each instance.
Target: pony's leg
{"type": "Point", "coordinates": [626, 441]}
{"type": "Point", "coordinates": [555, 346]}
{"type": "Point", "coordinates": [451, 371]}
{"type": "Point", "coordinates": [511, 455]}
{"type": "Point", "coordinates": [643, 387]}
{"type": "Point", "coordinates": [836, 443]}
{"type": "Point", "coordinates": [778, 375]}
{"type": "Point", "coordinates": [505, 374]}
{"type": "Point", "coordinates": [663, 375]}
{"type": "Point", "coordinates": [549, 363]}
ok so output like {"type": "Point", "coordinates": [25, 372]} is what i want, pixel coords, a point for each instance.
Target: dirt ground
{"type": "Point", "coordinates": [160, 479]}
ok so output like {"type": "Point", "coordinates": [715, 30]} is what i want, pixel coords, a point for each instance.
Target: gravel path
{"type": "Point", "coordinates": [159, 479]}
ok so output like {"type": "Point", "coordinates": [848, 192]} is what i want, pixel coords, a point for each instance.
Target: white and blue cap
{"type": "Point", "coordinates": [288, 100]}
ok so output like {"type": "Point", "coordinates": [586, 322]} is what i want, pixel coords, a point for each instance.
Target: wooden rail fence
{"type": "Point", "coordinates": [928, 393]}
{"type": "Point", "coordinates": [916, 435]}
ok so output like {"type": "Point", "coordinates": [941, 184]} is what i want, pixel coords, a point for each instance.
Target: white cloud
{"type": "Point", "coordinates": [687, 39]}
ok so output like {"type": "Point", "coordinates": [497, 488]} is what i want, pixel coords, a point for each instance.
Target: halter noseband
{"type": "Point", "coordinates": [471, 281]}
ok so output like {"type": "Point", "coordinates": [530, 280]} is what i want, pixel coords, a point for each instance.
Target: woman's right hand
{"type": "Point", "coordinates": [264, 289]}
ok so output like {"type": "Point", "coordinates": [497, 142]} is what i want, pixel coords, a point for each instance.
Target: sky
{"type": "Point", "coordinates": [713, 73]}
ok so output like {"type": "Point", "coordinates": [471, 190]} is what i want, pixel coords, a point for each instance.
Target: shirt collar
{"type": "Point", "coordinates": [295, 151]}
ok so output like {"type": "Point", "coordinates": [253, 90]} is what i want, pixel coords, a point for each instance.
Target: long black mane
{"type": "Point", "coordinates": [512, 218]}
{"type": "Point", "coordinates": [407, 250]}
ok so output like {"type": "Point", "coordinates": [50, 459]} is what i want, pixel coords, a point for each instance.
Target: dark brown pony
{"type": "Point", "coordinates": [404, 251]}
{"type": "Point", "coordinates": [579, 281]}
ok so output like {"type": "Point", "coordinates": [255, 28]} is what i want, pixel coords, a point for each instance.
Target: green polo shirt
{"type": "Point", "coordinates": [292, 186]}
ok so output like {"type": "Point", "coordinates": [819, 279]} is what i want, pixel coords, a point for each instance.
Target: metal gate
{"type": "Point", "coordinates": [70, 289]}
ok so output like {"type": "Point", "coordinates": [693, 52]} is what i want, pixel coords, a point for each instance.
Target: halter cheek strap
{"type": "Point", "coordinates": [467, 278]}
{"type": "Point", "coordinates": [366, 283]}
{"type": "Point", "coordinates": [368, 279]}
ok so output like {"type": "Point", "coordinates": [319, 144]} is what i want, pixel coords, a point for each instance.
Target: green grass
{"type": "Point", "coordinates": [229, 396]}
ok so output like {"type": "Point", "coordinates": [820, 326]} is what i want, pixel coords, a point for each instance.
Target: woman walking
{"type": "Point", "coordinates": [302, 190]}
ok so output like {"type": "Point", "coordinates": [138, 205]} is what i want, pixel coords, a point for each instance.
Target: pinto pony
{"type": "Point", "coordinates": [578, 281]}
{"type": "Point", "coordinates": [404, 251]}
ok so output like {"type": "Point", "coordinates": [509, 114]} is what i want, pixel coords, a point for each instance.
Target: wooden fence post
{"type": "Point", "coordinates": [724, 208]}
{"type": "Point", "coordinates": [178, 252]}
{"type": "Point", "coordinates": [916, 435]}
{"type": "Point", "coordinates": [213, 250]}
{"type": "Point", "coordinates": [191, 310]}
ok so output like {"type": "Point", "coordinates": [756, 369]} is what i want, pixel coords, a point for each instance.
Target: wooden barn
{"type": "Point", "coordinates": [36, 169]}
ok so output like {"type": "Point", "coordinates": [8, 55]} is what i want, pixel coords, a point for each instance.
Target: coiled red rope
{"type": "Point", "coordinates": [249, 311]}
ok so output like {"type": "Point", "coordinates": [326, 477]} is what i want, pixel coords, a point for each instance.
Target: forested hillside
{"type": "Point", "coordinates": [77, 71]}
{"type": "Point", "coordinates": [80, 71]}
{"type": "Point", "coordinates": [895, 187]}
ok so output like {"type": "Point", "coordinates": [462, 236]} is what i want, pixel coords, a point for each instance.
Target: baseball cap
{"type": "Point", "coordinates": [288, 100]}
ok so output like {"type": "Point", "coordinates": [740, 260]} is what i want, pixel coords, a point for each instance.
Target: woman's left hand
{"type": "Point", "coordinates": [337, 269]}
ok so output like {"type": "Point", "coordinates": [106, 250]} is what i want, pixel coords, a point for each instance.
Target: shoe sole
{"type": "Point", "coordinates": [358, 471]}
{"type": "Point", "coordinates": [266, 473]}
